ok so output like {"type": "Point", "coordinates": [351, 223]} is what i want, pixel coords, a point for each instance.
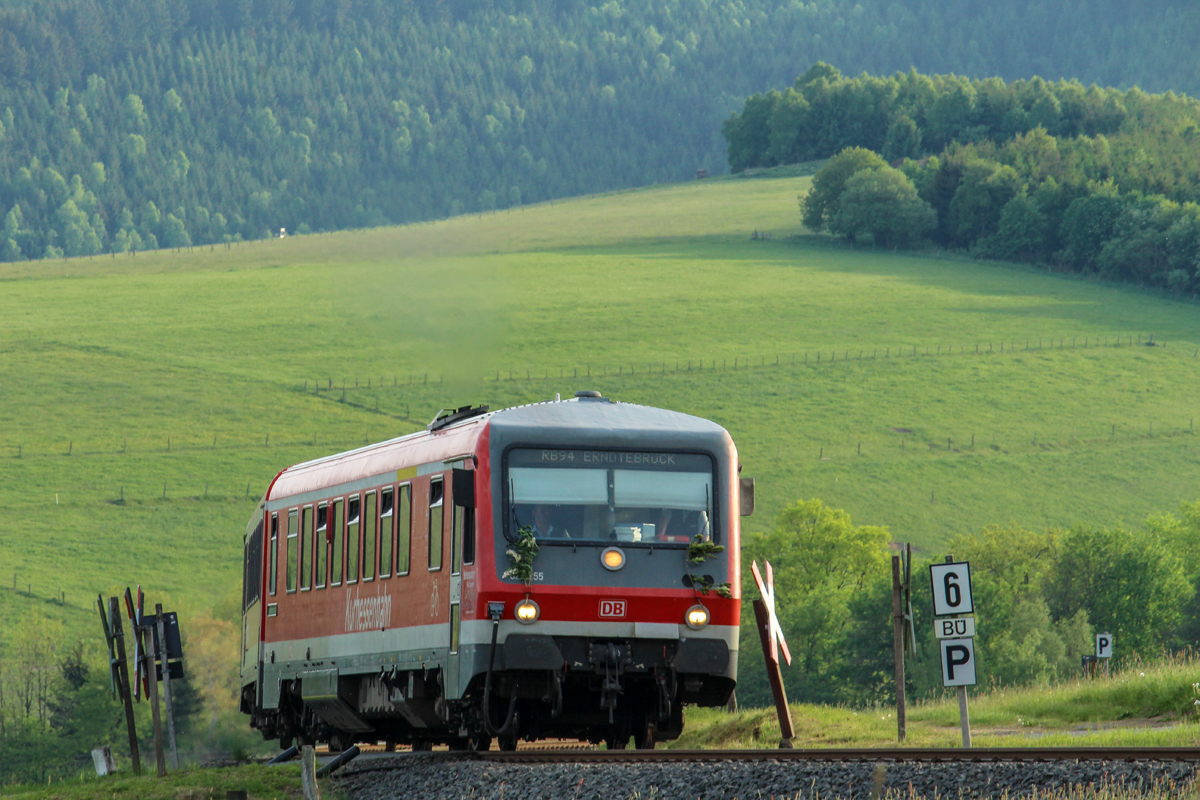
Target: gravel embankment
{"type": "Point", "coordinates": [420, 775]}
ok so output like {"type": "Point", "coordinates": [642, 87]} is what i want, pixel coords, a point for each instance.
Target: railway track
{"type": "Point", "coordinates": [581, 755]}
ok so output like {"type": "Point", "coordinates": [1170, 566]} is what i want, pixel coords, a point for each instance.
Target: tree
{"type": "Point", "coordinates": [1130, 585]}
{"type": "Point", "coordinates": [1021, 234]}
{"type": "Point", "coordinates": [820, 561]}
{"type": "Point", "coordinates": [884, 203]}
{"type": "Point", "coordinates": [821, 204]}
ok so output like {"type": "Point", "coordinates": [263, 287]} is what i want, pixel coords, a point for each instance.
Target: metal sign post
{"type": "Point", "coordinates": [166, 679]}
{"type": "Point", "coordinates": [771, 635]}
{"type": "Point", "coordinates": [952, 595]}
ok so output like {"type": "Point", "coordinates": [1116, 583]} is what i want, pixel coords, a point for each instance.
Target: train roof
{"type": "Point", "coordinates": [591, 420]}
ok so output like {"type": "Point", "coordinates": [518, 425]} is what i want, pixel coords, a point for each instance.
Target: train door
{"type": "Point", "coordinates": [252, 575]}
{"type": "Point", "coordinates": [461, 545]}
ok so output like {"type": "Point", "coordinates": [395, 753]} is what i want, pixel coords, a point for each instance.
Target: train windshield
{"type": "Point", "coordinates": [605, 496]}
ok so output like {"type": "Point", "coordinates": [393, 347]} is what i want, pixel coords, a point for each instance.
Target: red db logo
{"type": "Point", "coordinates": [612, 608]}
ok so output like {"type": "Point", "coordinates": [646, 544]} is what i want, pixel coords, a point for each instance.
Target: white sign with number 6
{"type": "Point", "coordinates": [951, 588]}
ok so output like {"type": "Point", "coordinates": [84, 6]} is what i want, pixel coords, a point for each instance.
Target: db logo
{"type": "Point", "coordinates": [612, 608]}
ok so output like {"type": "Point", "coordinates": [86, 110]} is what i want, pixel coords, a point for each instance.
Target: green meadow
{"type": "Point", "coordinates": [148, 400]}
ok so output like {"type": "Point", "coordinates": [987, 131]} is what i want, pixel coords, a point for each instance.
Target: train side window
{"type": "Point", "coordinates": [352, 539]}
{"type": "Point", "coordinates": [274, 557]}
{"type": "Point", "coordinates": [335, 578]}
{"type": "Point", "coordinates": [369, 526]}
{"type": "Point", "coordinates": [468, 547]}
{"type": "Point", "coordinates": [403, 528]}
{"type": "Point", "coordinates": [306, 549]}
{"type": "Point", "coordinates": [435, 524]}
{"type": "Point", "coordinates": [322, 544]}
{"type": "Point", "coordinates": [293, 547]}
{"type": "Point", "coordinates": [387, 531]}
{"type": "Point", "coordinates": [252, 567]}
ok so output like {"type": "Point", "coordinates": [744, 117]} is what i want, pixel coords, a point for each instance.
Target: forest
{"type": "Point", "coordinates": [1092, 181]}
{"type": "Point", "coordinates": [128, 125]}
{"type": "Point", "coordinates": [1041, 597]}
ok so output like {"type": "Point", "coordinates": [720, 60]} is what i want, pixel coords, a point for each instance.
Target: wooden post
{"type": "Point", "coordinates": [898, 631]}
{"type": "Point", "coordinates": [148, 656]}
{"type": "Point", "coordinates": [963, 716]}
{"type": "Point", "coordinates": [308, 773]}
{"type": "Point", "coordinates": [114, 616]}
{"type": "Point", "coordinates": [774, 676]}
{"type": "Point", "coordinates": [162, 638]}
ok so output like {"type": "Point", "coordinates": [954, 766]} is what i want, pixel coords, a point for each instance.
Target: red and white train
{"type": "Point", "coordinates": [376, 606]}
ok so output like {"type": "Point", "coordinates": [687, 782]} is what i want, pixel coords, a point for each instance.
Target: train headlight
{"type": "Point", "coordinates": [613, 558]}
{"type": "Point", "coordinates": [696, 617]}
{"type": "Point", "coordinates": [527, 612]}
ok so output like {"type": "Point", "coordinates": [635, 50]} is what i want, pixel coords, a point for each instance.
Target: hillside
{"type": "Point", "coordinates": [151, 398]}
{"type": "Point", "coordinates": [131, 125]}
{"type": "Point", "coordinates": [221, 352]}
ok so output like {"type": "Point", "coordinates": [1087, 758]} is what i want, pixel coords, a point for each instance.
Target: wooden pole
{"type": "Point", "coordinates": [963, 716]}
{"type": "Point", "coordinates": [774, 676]}
{"type": "Point", "coordinates": [148, 657]}
{"type": "Point", "coordinates": [162, 638]}
{"type": "Point", "coordinates": [114, 615]}
{"type": "Point", "coordinates": [898, 631]}
{"type": "Point", "coordinates": [308, 773]}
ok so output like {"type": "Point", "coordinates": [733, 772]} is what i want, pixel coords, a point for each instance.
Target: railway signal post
{"type": "Point", "coordinates": [121, 676]}
{"type": "Point", "coordinates": [905, 641]}
{"type": "Point", "coordinates": [771, 634]}
{"type": "Point", "coordinates": [952, 596]}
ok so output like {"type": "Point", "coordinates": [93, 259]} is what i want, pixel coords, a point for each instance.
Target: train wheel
{"type": "Point", "coordinates": [643, 737]}
{"type": "Point", "coordinates": [616, 742]}
{"type": "Point", "coordinates": [482, 742]}
{"type": "Point", "coordinates": [508, 742]}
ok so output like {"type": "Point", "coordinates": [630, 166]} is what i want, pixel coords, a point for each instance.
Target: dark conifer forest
{"type": "Point", "coordinates": [134, 124]}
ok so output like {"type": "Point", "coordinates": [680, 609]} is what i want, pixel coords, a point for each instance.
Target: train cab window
{"type": "Point", "coordinates": [352, 540]}
{"type": "Point", "coordinates": [274, 552]}
{"type": "Point", "coordinates": [435, 524]}
{"type": "Point", "coordinates": [369, 525]}
{"type": "Point", "coordinates": [610, 496]}
{"type": "Point", "coordinates": [403, 528]}
{"type": "Point", "coordinates": [293, 548]}
{"type": "Point", "coordinates": [306, 549]}
{"type": "Point", "coordinates": [335, 561]}
{"type": "Point", "coordinates": [322, 544]}
{"type": "Point", "coordinates": [387, 532]}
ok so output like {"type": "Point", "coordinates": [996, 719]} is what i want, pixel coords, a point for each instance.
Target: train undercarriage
{"type": "Point", "coordinates": [539, 687]}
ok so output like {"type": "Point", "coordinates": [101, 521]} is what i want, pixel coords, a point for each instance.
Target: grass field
{"type": "Point", "coordinates": [1148, 706]}
{"type": "Point", "coordinates": [148, 400]}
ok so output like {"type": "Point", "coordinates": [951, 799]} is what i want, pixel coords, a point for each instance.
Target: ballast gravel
{"type": "Point", "coordinates": [422, 775]}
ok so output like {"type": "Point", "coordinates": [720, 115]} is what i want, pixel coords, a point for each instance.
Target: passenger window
{"type": "Point", "coordinates": [370, 523]}
{"type": "Point", "coordinates": [274, 550]}
{"type": "Point", "coordinates": [386, 532]}
{"type": "Point", "coordinates": [435, 524]}
{"type": "Point", "coordinates": [306, 549]}
{"type": "Point", "coordinates": [468, 534]}
{"type": "Point", "coordinates": [322, 544]}
{"type": "Point", "coordinates": [352, 539]}
{"type": "Point", "coordinates": [293, 546]}
{"type": "Point", "coordinates": [335, 579]}
{"type": "Point", "coordinates": [403, 528]}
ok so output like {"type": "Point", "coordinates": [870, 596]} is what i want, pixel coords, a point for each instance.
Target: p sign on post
{"type": "Point", "coordinates": [951, 588]}
{"type": "Point", "coordinates": [958, 662]}
{"type": "Point", "coordinates": [1104, 645]}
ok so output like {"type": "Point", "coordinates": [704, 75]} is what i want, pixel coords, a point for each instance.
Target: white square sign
{"type": "Point", "coordinates": [958, 662]}
{"type": "Point", "coordinates": [960, 628]}
{"type": "Point", "coordinates": [1104, 645]}
{"type": "Point", "coordinates": [951, 588]}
